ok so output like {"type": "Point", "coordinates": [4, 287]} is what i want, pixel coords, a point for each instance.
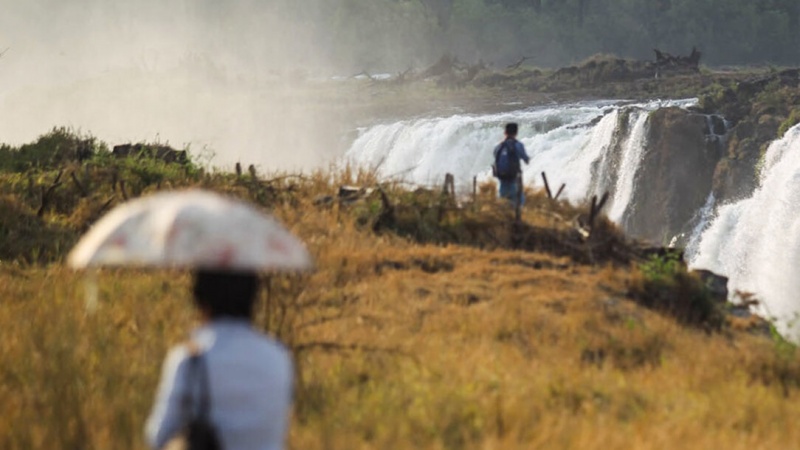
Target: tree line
{"type": "Point", "coordinates": [392, 34]}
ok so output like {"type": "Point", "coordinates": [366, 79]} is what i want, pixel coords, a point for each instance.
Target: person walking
{"type": "Point", "coordinates": [236, 378]}
{"type": "Point", "coordinates": [507, 167]}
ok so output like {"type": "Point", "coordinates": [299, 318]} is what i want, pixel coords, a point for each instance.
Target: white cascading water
{"type": "Point", "coordinates": [702, 221]}
{"type": "Point", "coordinates": [756, 241]}
{"type": "Point", "coordinates": [571, 143]}
{"type": "Point", "coordinates": [631, 157]}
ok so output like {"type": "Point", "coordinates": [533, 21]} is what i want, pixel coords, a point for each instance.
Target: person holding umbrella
{"type": "Point", "coordinates": [229, 386]}
{"type": "Point", "coordinates": [248, 375]}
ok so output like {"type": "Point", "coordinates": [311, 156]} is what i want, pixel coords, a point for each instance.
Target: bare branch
{"type": "Point", "coordinates": [517, 64]}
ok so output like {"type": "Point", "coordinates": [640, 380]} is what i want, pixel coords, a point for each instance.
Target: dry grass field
{"type": "Point", "coordinates": [426, 329]}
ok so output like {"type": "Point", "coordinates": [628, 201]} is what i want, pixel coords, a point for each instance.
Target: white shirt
{"type": "Point", "coordinates": [250, 380]}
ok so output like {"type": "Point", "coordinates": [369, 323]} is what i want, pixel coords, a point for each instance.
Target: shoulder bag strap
{"type": "Point", "coordinates": [197, 371]}
{"type": "Point", "coordinates": [204, 402]}
{"type": "Point", "coordinates": [511, 143]}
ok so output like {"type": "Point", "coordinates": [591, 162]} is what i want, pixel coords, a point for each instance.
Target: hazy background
{"type": "Point", "coordinates": [244, 78]}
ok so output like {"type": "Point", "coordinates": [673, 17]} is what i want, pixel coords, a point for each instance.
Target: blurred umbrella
{"type": "Point", "coordinates": [190, 229]}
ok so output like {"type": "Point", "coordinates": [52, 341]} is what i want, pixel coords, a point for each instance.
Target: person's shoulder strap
{"type": "Point", "coordinates": [197, 371]}
{"type": "Point", "coordinates": [511, 143]}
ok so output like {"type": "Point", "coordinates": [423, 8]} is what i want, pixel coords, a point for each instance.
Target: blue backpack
{"type": "Point", "coordinates": [506, 161]}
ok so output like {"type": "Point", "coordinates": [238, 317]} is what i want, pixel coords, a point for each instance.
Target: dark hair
{"type": "Point", "coordinates": [512, 128]}
{"type": "Point", "coordinates": [225, 294]}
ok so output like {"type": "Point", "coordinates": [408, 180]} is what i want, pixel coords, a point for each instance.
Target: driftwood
{"type": "Point", "coordinates": [403, 76]}
{"type": "Point", "coordinates": [163, 153]}
{"type": "Point", "coordinates": [665, 60]}
{"type": "Point", "coordinates": [445, 64]}
{"type": "Point", "coordinates": [350, 194]}
{"type": "Point", "coordinates": [518, 64]}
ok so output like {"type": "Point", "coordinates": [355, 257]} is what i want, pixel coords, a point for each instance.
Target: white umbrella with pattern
{"type": "Point", "coordinates": [191, 229]}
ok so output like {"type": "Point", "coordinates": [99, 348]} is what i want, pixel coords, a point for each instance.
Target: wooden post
{"type": "Point", "coordinates": [561, 189]}
{"type": "Point", "coordinates": [592, 211]}
{"type": "Point", "coordinates": [448, 185]}
{"type": "Point", "coordinates": [452, 187]}
{"type": "Point", "coordinates": [602, 203]}
{"type": "Point", "coordinates": [448, 193]}
{"type": "Point", "coordinates": [474, 191]}
{"type": "Point", "coordinates": [596, 207]}
{"type": "Point", "coordinates": [547, 186]}
{"type": "Point", "coordinates": [255, 185]}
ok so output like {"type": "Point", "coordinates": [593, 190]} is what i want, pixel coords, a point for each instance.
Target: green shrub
{"type": "Point", "coordinates": [792, 120]}
{"type": "Point", "coordinates": [51, 150]}
{"type": "Point", "coordinates": [667, 286]}
{"type": "Point", "coordinates": [714, 97]}
{"type": "Point", "coordinates": [662, 270]}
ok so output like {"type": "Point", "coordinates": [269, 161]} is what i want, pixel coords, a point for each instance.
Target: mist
{"type": "Point", "coordinates": [224, 78]}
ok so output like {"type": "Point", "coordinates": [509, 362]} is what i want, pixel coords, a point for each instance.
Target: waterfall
{"type": "Point", "coordinates": [582, 145]}
{"type": "Point", "coordinates": [702, 221]}
{"type": "Point", "coordinates": [624, 155]}
{"type": "Point", "coordinates": [756, 241]}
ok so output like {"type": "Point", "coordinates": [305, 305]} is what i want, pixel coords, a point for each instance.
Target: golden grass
{"type": "Point", "coordinates": [401, 345]}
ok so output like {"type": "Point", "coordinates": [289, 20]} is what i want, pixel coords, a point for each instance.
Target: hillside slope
{"type": "Point", "coordinates": [442, 325]}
